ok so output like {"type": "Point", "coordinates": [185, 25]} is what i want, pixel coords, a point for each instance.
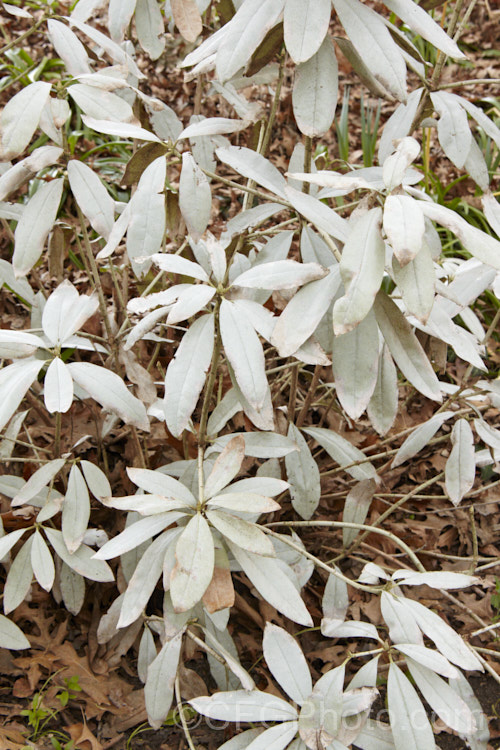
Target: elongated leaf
{"type": "Point", "coordinates": [416, 282]}
{"type": "Point", "coordinates": [39, 479]}
{"type": "Point", "coordinates": [92, 197]}
{"type": "Point", "coordinates": [35, 224]}
{"type": "Point", "coordinates": [321, 714]}
{"type": "Point", "coordinates": [383, 405]}
{"type": "Point", "coordinates": [252, 217]}
{"type": "Point", "coordinates": [485, 122]}
{"type": "Point", "coordinates": [445, 638]}
{"type": "Point", "coordinates": [405, 348]}
{"type": "Point", "coordinates": [15, 380]}
{"type": "Point", "coordinates": [11, 635]}
{"type": "Point", "coordinates": [404, 226]}
{"type": "Point", "coordinates": [226, 467]}
{"type": "Point", "coordinates": [421, 23]}
{"type": "Point", "coordinates": [315, 91]}
{"type": "Point", "coordinates": [403, 627]}
{"type": "Point", "coordinates": [159, 688]}
{"type": "Point", "coordinates": [186, 373]}
{"type": "Point", "coordinates": [195, 197]}
{"type": "Point", "coordinates": [147, 216]}
{"type": "Point", "coordinates": [420, 437]}
{"type": "Point", "coordinates": [194, 568]}
{"type": "Point", "coordinates": [305, 26]}
{"type": "Point", "coordinates": [187, 18]}
{"type": "Point", "coordinates": [58, 387]}
{"type": "Point", "coordinates": [220, 592]}
{"type": "Point", "coordinates": [488, 434]}
{"type": "Point", "coordinates": [343, 452]}
{"type": "Point", "coordinates": [243, 502]}
{"type": "Point", "coordinates": [287, 663]}
{"type": "Point", "coordinates": [362, 269]}
{"type": "Point", "coordinates": [478, 740]}
{"type": "Point", "coordinates": [136, 533]}
{"type": "Point", "coordinates": [96, 479]}
{"type": "Point", "coordinates": [313, 249]}
{"type": "Point", "coordinates": [82, 561]}
{"type": "Point", "coordinates": [120, 14]}
{"type": "Point", "coordinates": [65, 312]}
{"type": "Point", "coordinates": [261, 485]}
{"type": "Point", "coordinates": [68, 47]}
{"type": "Point", "coordinates": [483, 246]}
{"type": "Point", "coordinates": [116, 234]}
{"type": "Point", "coordinates": [375, 735]}
{"type": "Point", "coordinates": [159, 483]}
{"type": "Point", "coordinates": [454, 133]}
{"type": "Point", "coordinates": [395, 165]}
{"type": "Point", "coordinates": [303, 474]}
{"type": "Point", "coordinates": [355, 358]}
{"type": "Point", "coordinates": [145, 505]}
{"type": "Point", "coordinates": [335, 599]}
{"type": "Point", "coordinates": [244, 351]}
{"type": "Point", "coordinates": [191, 301]}
{"type": "Point", "coordinates": [275, 738]}
{"type": "Point", "coordinates": [24, 169]}
{"type": "Point", "coordinates": [150, 27]}
{"type": "Point", "coordinates": [294, 326]}
{"type": "Point", "coordinates": [76, 510]}
{"type": "Point", "coordinates": [212, 126]}
{"type": "Point", "coordinates": [349, 629]}
{"type": "Point", "coordinates": [20, 117]}
{"type": "Point", "coordinates": [146, 653]}
{"type": "Point", "coordinates": [323, 217]}
{"type": "Point", "coordinates": [244, 706]}
{"type": "Point", "coordinates": [144, 579]}
{"type": "Point", "coordinates": [100, 105]}
{"type": "Point", "coordinates": [18, 344]}
{"type": "Point", "coordinates": [242, 740]}
{"type": "Point", "coordinates": [246, 535]}
{"type": "Point", "coordinates": [429, 658]}
{"type": "Point", "coordinates": [8, 541]}
{"type": "Point", "coordinates": [460, 467]}
{"type": "Point", "coordinates": [42, 562]}
{"type": "Point", "coordinates": [398, 125]}
{"type": "Point", "coordinates": [273, 584]}
{"type": "Point", "coordinates": [357, 504]}
{"type": "Point", "coordinates": [245, 32]}
{"type": "Point", "coordinates": [19, 578]}
{"type": "Point", "coordinates": [443, 699]}
{"type": "Point", "coordinates": [374, 44]}
{"type": "Point", "coordinates": [280, 274]}
{"type": "Point", "coordinates": [261, 444]}
{"type": "Point", "coordinates": [108, 389]}
{"type": "Point", "coordinates": [410, 726]}
{"type": "Point", "coordinates": [180, 265]}
{"type": "Point", "coordinates": [121, 129]}
{"type": "Point", "coordinates": [111, 48]}
{"type": "Point", "coordinates": [254, 166]}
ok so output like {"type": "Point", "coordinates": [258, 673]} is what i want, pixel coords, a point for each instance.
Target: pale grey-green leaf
{"type": "Point", "coordinates": [343, 452]}
{"type": "Point", "coordinates": [303, 474]}
{"type": "Point", "coordinates": [405, 347]}
{"type": "Point", "coordinates": [35, 224]}
{"type": "Point", "coordinates": [186, 373]}
{"type": "Point", "coordinates": [305, 26]}
{"type": "Point", "coordinates": [315, 91]}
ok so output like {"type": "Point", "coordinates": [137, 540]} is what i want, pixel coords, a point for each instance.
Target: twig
{"type": "Point", "coordinates": [180, 711]}
{"type": "Point", "coordinates": [343, 525]}
{"type": "Point", "coordinates": [309, 397]}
